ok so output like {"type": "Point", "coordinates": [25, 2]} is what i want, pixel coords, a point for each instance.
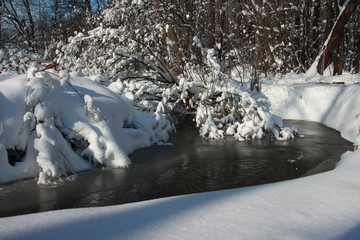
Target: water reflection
{"type": "Point", "coordinates": [192, 165]}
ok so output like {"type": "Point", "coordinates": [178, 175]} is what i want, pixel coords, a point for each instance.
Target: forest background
{"type": "Point", "coordinates": [252, 37]}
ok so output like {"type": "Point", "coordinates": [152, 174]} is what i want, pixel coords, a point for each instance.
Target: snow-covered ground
{"type": "Point", "coordinates": [323, 206]}
{"type": "Point", "coordinates": [318, 98]}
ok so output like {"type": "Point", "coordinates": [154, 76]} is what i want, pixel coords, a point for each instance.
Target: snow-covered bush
{"type": "Point", "coordinates": [69, 123]}
{"type": "Point", "coordinates": [112, 53]}
{"type": "Point", "coordinates": [223, 107]}
{"type": "Point", "coordinates": [15, 60]}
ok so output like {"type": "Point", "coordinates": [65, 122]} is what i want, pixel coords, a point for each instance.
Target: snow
{"type": "Point", "coordinates": [44, 113]}
{"type": "Point", "coordinates": [318, 99]}
{"type": "Point", "coordinates": [323, 206]}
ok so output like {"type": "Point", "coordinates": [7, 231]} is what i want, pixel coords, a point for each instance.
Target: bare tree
{"type": "Point", "coordinates": [336, 35]}
{"type": "Point", "coordinates": [12, 17]}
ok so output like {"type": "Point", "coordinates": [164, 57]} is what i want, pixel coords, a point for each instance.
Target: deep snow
{"type": "Point", "coordinates": [318, 98]}
{"type": "Point", "coordinates": [56, 117]}
{"type": "Point", "coordinates": [323, 206]}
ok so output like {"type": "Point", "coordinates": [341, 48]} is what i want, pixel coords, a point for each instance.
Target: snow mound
{"type": "Point", "coordinates": [65, 123]}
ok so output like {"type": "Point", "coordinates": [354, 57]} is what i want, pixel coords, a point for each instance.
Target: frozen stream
{"type": "Point", "coordinates": [192, 165]}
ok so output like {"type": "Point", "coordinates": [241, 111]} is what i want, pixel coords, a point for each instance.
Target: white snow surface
{"type": "Point", "coordinates": [318, 99]}
{"type": "Point", "coordinates": [43, 112]}
{"type": "Point", "coordinates": [323, 206]}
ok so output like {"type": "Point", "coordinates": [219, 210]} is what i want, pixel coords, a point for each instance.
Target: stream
{"type": "Point", "coordinates": [192, 165]}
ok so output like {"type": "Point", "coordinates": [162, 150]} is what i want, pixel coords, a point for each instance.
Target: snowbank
{"type": "Point", "coordinates": [320, 99]}
{"type": "Point", "coordinates": [65, 123]}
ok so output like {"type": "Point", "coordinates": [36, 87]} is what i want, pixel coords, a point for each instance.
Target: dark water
{"type": "Point", "coordinates": [192, 165]}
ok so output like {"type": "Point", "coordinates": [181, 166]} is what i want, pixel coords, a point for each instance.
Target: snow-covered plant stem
{"type": "Point", "coordinates": [53, 150]}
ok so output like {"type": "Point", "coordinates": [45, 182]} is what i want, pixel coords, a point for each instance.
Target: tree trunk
{"type": "Point", "coordinates": [306, 31]}
{"type": "Point", "coordinates": [334, 39]}
{"type": "Point", "coordinates": [340, 58]}
{"type": "Point", "coordinates": [174, 46]}
{"type": "Point", "coordinates": [30, 18]}
{"type": "Point", "coordinates": [315, 39]}
{"type": "Point", "coordinates": [212, 24]}
{"type": "Point", "coordinates": [355, 66]}
{"type": "Point", "coordinates": [172, 42]}
{"type": "Point", "coordinates": [329, 15]}
{"type": "Point", "coordinates": [223, 25]}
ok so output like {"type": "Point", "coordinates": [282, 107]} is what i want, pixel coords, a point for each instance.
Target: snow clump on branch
{"type": "Point", "coordinates": [225, 108]}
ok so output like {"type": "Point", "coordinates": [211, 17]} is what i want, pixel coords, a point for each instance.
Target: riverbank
{"type": "Point", "coordinates": [323, 206]}
{"type": "Point", "coordinates": [331, 100]}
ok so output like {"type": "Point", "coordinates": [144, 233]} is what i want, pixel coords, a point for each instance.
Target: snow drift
{"type": "Point", "coordinates": [65, 123]}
